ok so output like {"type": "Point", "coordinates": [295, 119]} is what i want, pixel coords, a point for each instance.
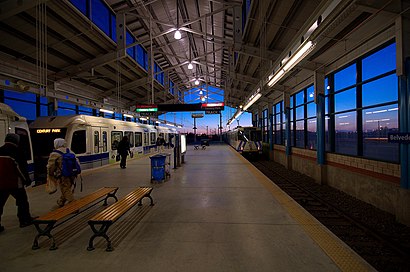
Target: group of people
{"type": "Point", "coordinates": [14, 177]}
{"type": "Point", "coordinates": [14, 174]}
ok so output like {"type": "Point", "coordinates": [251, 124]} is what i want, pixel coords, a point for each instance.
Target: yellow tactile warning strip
{"type": "Point", "coordinates": [343, 256]}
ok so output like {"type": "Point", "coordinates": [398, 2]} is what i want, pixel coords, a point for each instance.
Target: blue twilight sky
{"type": "Point", "coordinates": [206, 94]}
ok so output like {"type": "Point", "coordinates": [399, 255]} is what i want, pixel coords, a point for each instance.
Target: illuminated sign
{"type": "Point", "coordinates": [218, 106]}
{"type": "Point", "coordinates": [48, 130]}
{"type": "Point", "coordinates": [210, 105]}
{"type": "Point", "coordinates": [146, 108]}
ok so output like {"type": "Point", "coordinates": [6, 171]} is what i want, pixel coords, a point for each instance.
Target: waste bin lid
{"type": "Point", "coordinates": [157, 156]}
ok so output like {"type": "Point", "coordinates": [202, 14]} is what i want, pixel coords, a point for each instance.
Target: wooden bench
{"type": "Point", "coordinates": [69, 211]}
{"type": "Point", "coordinates": [111, 214]}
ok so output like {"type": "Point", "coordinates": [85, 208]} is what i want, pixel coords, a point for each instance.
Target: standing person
{"type": "Point", "coordinates": [55, 172]}
{"type": "Point", "coordinates": [123, 149]}
{"type": "Point", "coordinates": [13, 177]}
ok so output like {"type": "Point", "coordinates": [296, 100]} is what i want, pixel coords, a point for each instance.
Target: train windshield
{"type": "Point", "coordinates": [43, 140]}
{"type": "Point", "coordinates": [250, 135]}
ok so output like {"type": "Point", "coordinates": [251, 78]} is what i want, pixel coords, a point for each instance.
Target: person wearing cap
{"type": "Point", "coordinates": [14, 176]}
{"type": "Point", "coordinates": [54, 169]}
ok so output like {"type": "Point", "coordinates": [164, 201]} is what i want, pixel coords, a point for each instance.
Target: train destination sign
{"type": "Point", "coordinates": [48, 130]}
{"type": "Point", "coordinates": [402, 138]}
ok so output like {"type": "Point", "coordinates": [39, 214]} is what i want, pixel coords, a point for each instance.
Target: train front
{"type": "Point", "coordinates": [43, 144]}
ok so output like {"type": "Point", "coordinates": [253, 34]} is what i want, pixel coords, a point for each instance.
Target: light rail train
{"type": "Point", "coordinates": [245, 140]}
{"type": "Point", "coordinates": [93, 139]}
{"type": "Point", "coordinates": [11, 122]}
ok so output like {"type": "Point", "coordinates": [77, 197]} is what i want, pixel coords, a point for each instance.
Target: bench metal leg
{"type": "Point", "coordinates": [149, 196]}
{"type": "Point", "coordinates": [101, 232]}
{"type": "Point", "coordinates": [110, 195]}
{"type": "Point", "coordinates": [44, 232]}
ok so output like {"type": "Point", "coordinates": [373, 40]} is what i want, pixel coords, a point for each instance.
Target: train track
{"type": "Point", "coordinates": [370, 232]}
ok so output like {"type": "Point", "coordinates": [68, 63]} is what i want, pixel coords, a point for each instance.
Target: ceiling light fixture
{"type": "Point", "coordinates": [290, 63]}
{"type": "Point", "coordinates": [190, 66]}
{"type": "Point", "coordinates": [177, 34]}
{"type": "Point", "coordinates": [106, 111]}
{"type": "Point", "coordinates": [196, 82]}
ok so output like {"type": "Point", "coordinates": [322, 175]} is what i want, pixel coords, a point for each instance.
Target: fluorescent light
{"type": "Point", "coordinates": [276, 78]}
{"type": "Point", "coordinates": [297, 57]}
{"type": "Point", "coordinates": [143, 118]}
{"type": "Point", "coordinates": [253, 100]}
{"type": "Point", "coordinates": [237, 114]}
{"type": "Point", "coordinates": [158, 122]}
{"type": "Point", "coordinates": [107, 111]}
{"type": "Point", "coordinates": [190, 66]}
{"type": "Point", "coordinates": [128, 115]}
{"type": "Point", "coordinates": [177, 35]}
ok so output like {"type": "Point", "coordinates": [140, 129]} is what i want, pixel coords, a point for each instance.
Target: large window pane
{"type": "Point", "coordinates": [310, 93]}
{"type": "Point", "coordinates": [26, 109]}
{"type": "Point", "coordinates": [380, 62]}
{"type": "Point", "coordinates": [377, 123]}
{"type": "Point", "coordinates": [300, 134]}
{"type": "Point", "coordinates": [311, 134]}
{"type": "Point", "coordinates": [345, 100]}
{"type": "Point", "coordinates": [300, 112]}
{"type": "Point", "coordinates": [311, 110]}
{"type": "Point", "coordinates": [327, 138]}
{"type": "Point", "coordinates": [380, 91]}
{"type": "Point", "coordinates": [81, 5]}
{"type": "Point", "coordinates": [345, 78]}
{"type": "Point", "coordinates": [100, 15]}
{"type": "Point", "coordinates": [130, 40]}
{"type": "Point", "coordinates": [299, 98]}
{"type": "Point", "coordinates": [346, 133]}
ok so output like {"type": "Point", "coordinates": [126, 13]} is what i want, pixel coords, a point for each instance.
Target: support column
{"type": "Point", "coordinates": [288, 144]}
{"type": "Point", "coordinates": [319, 85]}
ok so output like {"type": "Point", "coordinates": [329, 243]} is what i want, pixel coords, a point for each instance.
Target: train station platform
{"type": "Point", "coordinates": [216, 212]}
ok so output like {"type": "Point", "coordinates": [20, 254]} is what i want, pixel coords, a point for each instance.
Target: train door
{"type": "Point", "coordinates": [100, 153]}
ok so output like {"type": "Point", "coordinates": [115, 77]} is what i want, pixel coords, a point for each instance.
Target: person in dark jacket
{"type": "Point", "coordinates": [10, 152]}
{"type": "Point", "coordinates": [123, 149]}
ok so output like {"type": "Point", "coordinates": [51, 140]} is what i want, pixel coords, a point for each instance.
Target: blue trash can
{"type": "Point", "coordinates": [158, 167]}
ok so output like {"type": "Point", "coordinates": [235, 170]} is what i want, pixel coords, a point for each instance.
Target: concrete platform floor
{"type": "Point", "coordinates": [216, 213]}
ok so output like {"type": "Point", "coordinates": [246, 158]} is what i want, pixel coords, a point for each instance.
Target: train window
{"type": "Point", "coordinates": [129, 134]}
{"type": "Point", "coordinates": [153, 137]}
{"type": "Point", "coordinates": [96, 141]}
{"type": "Point", "coordinates": [138, 139]}
{"type": "Point", "coordinates": [104, 139]}
{"type": "Point", "coordinates": [116, 137]}
{"type": "Point", "coordinates": [24, 142]}
{"type": "Point", "coordinates": [78, 143]}
{"type": "Point", "coordinates": [146, 139]}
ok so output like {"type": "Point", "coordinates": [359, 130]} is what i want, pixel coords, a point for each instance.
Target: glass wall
{"type": "Point", "coordinates": [303, 119]}
{"type": "Point", "coordinates": [278, 123]}
{"type": "Point", "coordinates": [362, 106]}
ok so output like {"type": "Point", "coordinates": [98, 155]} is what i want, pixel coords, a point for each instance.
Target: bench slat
{"type": "Point", "coordinates": [76, 205]}
{"type": "Point", "coordinates": [117, 209]}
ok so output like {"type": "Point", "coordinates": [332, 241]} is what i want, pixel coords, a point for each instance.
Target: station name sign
{"type": "Point", "coordinates": [197, 115]}
{"type": "Point", "coordinates": [402, 138]}
{"type": "Point", "coordinates": [48, 130]}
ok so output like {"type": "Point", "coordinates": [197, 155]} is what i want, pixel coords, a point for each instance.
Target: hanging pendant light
{"type": "Point", "coordinates": [177, 34]}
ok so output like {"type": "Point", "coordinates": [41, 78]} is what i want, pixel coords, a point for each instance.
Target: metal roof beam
{"type": "Point", "coordinates": [85, 66]}
{"type": "Point", "coordinates": [12, 7]}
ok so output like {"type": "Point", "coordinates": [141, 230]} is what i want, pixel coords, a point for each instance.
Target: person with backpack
{"type": "Point", "coordinates": [62, 168]}
{"type": "Point", "coordinates": [123, 149]}
{"type": "Point", "coordinates": [13, 177]}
